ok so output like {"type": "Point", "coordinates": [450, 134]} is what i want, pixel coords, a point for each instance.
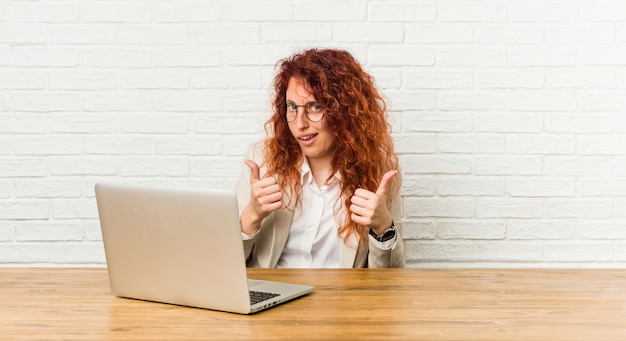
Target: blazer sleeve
{"type": "Point", "coordinates": [394, 257]}
{"type": "Point", "coordinates": [242, 187]}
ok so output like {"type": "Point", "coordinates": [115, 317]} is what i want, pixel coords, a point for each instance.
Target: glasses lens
{"type": "Point", "coordinates": [314, 112]}
{"type": "Point", "coordinates": [290, 116]}
{"type": "Point", "coordinates": [291, 112]}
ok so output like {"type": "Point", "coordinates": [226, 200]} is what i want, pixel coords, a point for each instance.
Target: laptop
{"type": "Point", "coordinates": [183, 247]}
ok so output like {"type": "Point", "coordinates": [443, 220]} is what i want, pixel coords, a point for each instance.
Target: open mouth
{"type": "Point", "coordinates": [307, 137]}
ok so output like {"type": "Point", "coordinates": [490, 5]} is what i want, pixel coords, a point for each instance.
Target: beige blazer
{"type": "Point", "coordinates": [265, 248]}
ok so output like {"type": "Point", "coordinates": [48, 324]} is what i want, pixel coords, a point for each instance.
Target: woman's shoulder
{"type": "Point", "coordinates": [255, 150]}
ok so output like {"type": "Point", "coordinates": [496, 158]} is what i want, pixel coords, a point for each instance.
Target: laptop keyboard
{"type": "Point", "coordinates": [260, 296]}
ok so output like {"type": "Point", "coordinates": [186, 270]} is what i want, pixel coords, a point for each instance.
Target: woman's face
{"type": "Point", "coordinates": [316, 142]}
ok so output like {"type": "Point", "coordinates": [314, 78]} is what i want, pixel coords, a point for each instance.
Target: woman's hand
{"type": "Point", "coordinates": [265, 198]}
{"type": "Point", "coordinates": [370, 208]}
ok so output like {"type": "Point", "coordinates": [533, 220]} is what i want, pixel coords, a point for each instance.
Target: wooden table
{"type": "Point", "coordinates": [386, 304]}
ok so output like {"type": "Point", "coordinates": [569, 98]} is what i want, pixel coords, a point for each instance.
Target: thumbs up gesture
{"type": "Point", "coordinates": [265, 198]}
{"type": "Point", "coordinates": [370, 208]}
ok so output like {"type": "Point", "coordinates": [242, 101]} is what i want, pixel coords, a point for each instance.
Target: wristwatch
{"type": "Point", "coordinates": [388, 234]}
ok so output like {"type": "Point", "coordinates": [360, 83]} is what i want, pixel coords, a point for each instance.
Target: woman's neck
{"type": "Point", "coordinates": [321, 169]}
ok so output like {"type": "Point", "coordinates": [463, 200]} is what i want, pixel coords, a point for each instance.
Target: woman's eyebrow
{"type": "Point", "coordinates": [292, 102]}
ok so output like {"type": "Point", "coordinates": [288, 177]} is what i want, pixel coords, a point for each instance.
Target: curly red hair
{"type": "Point", "coordinates": [355, 113]}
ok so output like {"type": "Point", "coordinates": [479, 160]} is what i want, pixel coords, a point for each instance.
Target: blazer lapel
{"type": "Point", "coordinates": [347, 251]}
{"type": "Point", "coordinates": [282, 227]}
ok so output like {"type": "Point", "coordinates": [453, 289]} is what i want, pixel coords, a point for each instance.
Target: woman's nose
{"type": "Point", "coordinates": [301, 119]}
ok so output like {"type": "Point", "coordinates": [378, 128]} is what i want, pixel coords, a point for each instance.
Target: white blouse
{"type": "Point", "coordinates": [314, 239]}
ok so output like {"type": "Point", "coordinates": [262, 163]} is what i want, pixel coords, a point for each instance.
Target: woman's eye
{"type": "Point", "coordinates": [316, 107]}
{"type": "Point", "coordinates": [292, 107]}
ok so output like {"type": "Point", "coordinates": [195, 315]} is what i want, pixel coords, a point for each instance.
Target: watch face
{"type": "Point", "coordinates": [387, 235]}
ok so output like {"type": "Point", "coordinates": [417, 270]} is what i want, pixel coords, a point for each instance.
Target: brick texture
{"type": "Point", "coordinates": [508, 116]}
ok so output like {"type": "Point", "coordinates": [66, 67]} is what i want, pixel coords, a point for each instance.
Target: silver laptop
{"type": "Point", "coordinates": [181, 246]}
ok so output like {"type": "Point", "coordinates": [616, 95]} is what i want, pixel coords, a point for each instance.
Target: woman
{"type": "Point", "coordinates": [322, 189]}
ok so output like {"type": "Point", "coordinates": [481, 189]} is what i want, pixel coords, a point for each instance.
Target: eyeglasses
{"type": "Point", "coordinates": [313, 111]}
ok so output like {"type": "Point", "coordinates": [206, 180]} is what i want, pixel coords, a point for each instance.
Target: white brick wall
{"type": "Point", "coordinates": [509, 116]}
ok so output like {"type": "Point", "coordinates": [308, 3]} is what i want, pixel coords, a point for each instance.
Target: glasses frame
{"type": "Point", "coordinates": [306, 111]}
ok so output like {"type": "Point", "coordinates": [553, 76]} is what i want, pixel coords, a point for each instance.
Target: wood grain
{"type": "Point", "coordinates": [350, 304]}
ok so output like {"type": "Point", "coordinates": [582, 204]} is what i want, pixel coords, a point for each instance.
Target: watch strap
{"type": "Point", "coordinates": [388, 234]}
